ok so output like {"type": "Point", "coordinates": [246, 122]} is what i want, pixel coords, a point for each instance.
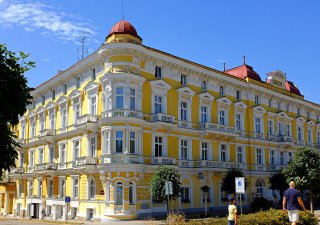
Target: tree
{"type": "Point", "coordinates": [278, 182]}
{"type": "Point", "coordinates": [304, 169]}
{"type": "Point", "coordinates": [228, 181]}
{"type": "Point", "coordinates": [158, 179]}
{"type": "Point", "coordinates": [14, 97]}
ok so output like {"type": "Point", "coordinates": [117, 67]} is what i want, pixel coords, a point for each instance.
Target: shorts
{"type": "Point", "coordinates": [231, 222]}
{"type": "Point", "coordinates": [293, 215]}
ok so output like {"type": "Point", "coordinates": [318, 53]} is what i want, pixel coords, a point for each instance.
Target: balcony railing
{"type": "Point", "coordinates": [47, 132]}
{"type": "Point", "coordinates": [163, 161]}
{"type": "Point", "coordinates": [162, 118]}
{"type": "Point", "coordinates": [283, 138]}
{"type": "Point", "coordinates": [185, 163]}
{"type": "Point", "coordinates": [89, 118]}
{"type": "Point", "coordinates": [41, 167]}
{"type": "Point", "coordinates": [122, 159]}
{"type": "Point", "coordinates": [86, 160]}
{"type": "Point", "coordinates": [18, 170]}
{"type": "Point", "coordinates": [217, 127]}
{"type": "Point", "coordinates": [122, 113]}
{"type": "Point", "coordinates": [217, 164]}
{"type": "Point", "coordinates": [300, 143]}
{"type": "Point", "coordinates": [46, 166]}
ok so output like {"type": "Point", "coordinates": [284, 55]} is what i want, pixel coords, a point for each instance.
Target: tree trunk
{"type": "Point", "coordinates": [311, 201]}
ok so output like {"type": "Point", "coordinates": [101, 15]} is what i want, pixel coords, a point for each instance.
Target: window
{"type": "Point", "coordinates": [221, 90]}
{"type": "Point", "coordinates": [119, 141]}
{"type": "Point", "coordinates": [288, 108]}
{"type": "Point", "coordinates": [256, 99]}
{"type": "Point", "coordinates": [270, 127]}
{"type": "Point", "coordinates": [223, 153]}
{"type": "Point", "coordinates": [76, 112]}
{"type": "Point", "coordinates": [33, 128]}
{"type": "Point", "coordinates": [119, 193]}
{"type": "Point", "coordinates": [41, 156]}
{"type": "Point", "coordinates": [158, 73]}
{"type": "Point", "coordinates": [50, 189]}
{"type": "Point", "coordinates": [239, 154]}
{"type": "Point", "coordinates": [62, 188]}
{"type": "Point", "coordinates": [23, 131]}
{"type": "Point", "coordinates": [258, 129]}
{"type": "Point", "coordinates": [92, 189]}
{"type": "Point", "coordinates": [78, 82]}
{"type": "Point", "coordinates": [290, 155]}
{"type": "Point", "coordinates": [238, 95]}
{"type": "Point", "coordinates": [259, 187]}
{"type": "Point", "coordinates": [272, 157]}
{"type": "Point", "coordinates": [52, 120]}
{"type": "Point", "coordinates": [132, 140]}
{"type": "Point", "coordinates": [279, 126]}
{"type": "Point", "coordinates": [40, 188]}
{"type": "Point", "coordinates": [270, 102]}
{"type": "Point", "coordinates": [203, 85]}
{"type": "Point", "coordinates": [93, 105]}
{"type": "Point", "coordinates": [93, 147]}
{"type": "Point", "coordinates": [76, 149]}
{"type": "Point", "coordinates": [299, 133]}
{"type": "Point", "coordinates": [204, 151]}
{"type": "Point", "coordinates": [31, 158]}
{"type": "Point", "coordinates": [19, 189]}
{"type": "Point", "coordinates": [308, 115]}
{"type": "Point", "coordinates": [65, 89]}
{"type": "Point", "coordinates": [183, 111]}
{"type": "Point", "coordinates": [21, 161]}
{"type": "Point", "coordinates": [318, 137]}
{"type": "Point", "coordinates": [158, 146]}
{"type": "Point", "coordinates": [51, 154]}
{"type": "Point", "coordinates": [64, 118]}
{"type": "Point", "coordinates": [309, 136]}
{"type": "Point", "coordinates": [239, 121]}
{"type": "Point", "coordinates": [75, 187]}
{"type": "Point", "coordinates": [185, 194]}
{"type": "Point", "coordinates": [279, 105]}
{"type": "Point", "coordinates": [30, 192]}
{"type": "Point", "coordinates": [184, 149]}
{"type": "Point", "coordinates": [131, 193]}
{"type": "Point", "coordinates": [298, 111]}
{"type": "Point", "coordinates": [132, 98]}
{"type": "Point", "coordinates": [204, 114]}
{"type": "Point", "coordinates": [53, 94]}
{"type": "Point", "coordinates": [119, 98]}
{"type": "Point", "coordinates": [157, 104]}
{"type": "Point", "coordinates": [183, 80]}
{"type": "Point", "coordinates": [63, 153]}
{"type": "Point", "coordinates": [222, 117]}
{"type": "Point", "coordinates": [259, 156]}
{"type": "Point", "coordinates": [288, 130]}
{"type": "Point", "coordinates": [43, 99]}
{"type": "Point", "coordinates": [42, 122]}
{"type": "Point", "coordinates": [93, 75]}
{"type": "Point", "coordinates": [281, 158]}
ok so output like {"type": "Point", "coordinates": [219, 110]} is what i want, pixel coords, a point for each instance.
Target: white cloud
{"type": "Point", "coordinates": [37, 16]}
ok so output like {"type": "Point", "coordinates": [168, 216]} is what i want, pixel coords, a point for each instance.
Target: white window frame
{"type": "Point", "coordinates": [164, 145]}
{"type": "Point", "coordinates": [93, 104]}
{"type": "Point", "coordinates": [134, 139]}
{"type": "Point", "coordinates": [257, 154]}
{"type": "Point", "coordinates": [122, 139]}
{"type": "Point", "coordinates": [270, 127]}
{"type": "Point", "coordinates": [205, 148]}
{"type": "Point", "coordinates": [52, 118]}
{"type": "Point", "coordinates": [226, 151]}
{"type": "Point", "coordinates": [132, 98]}
{"type": "Point", "coordinates": [310, 135]}
{"type": "Point", "coordinates": [204, 114]}
{"type": "Point", "coordinates": [118, 184]}
{"type": "Point", "coordinates": [116, 95]}
{"type": "Point", "coordinates": [63, 117]}
{"type": "Point", "coordinates": [243, 154]}
{"type": "Point", "coordinates": [62, 188]}
{"type": "Point", "coordinates": [258, 127]}
{"type": "Point", "coordinates": [223, 118]}
{"type": "Point", "coordinates": [94, 186]}
{"type": "Point", "coordinates": [76, 147]}
{"type": "Point", "coordinates": [40, 155]}
{"type": "Point", "coordinates": [64, 158]}
{"type": "Point", "coordinates": [92, 145]}
{"type": "Point", "coordinates": [239, 121]}
{"type": "Point", "coordinates": [184, 147]}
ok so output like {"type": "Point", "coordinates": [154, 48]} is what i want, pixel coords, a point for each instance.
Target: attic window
{"type": "Point", "coordinates": [270, 102]}
{"type": "Point", "coordinates": [183, 80]}
{"type": "Point", "coordinates": [256, 99]}
{"type": "Point", "coordinates": [203, 85]}
{"type": "Point", "coordinates": [308, 115]}
{"type": "Point", "coordinates": [279, 105]}
{"type": "Point", "coordinates": [238, 95]}
{"type": "Point", "coordinates": [158, 73]}
{"type": "Point", "coordinates": [53, 95]}
{"type": "Point", "coordinates": [43, 99]}
{"type": "Point", "coordinates": [93, 75]}
{"type": "Point", "coordinates": [298, 111]}
{"type": "Point", "coordinates": [221, 90]}
{"type": "Point", "coordinates": [65, 89]}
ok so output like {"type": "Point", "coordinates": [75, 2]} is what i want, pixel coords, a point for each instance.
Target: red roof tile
{"type": "Point", "coordinates": [244, 71]}
{"type": "Point", "coordinates": [291, 87]}
{"type": "Point", "coordinates": [124, 27]}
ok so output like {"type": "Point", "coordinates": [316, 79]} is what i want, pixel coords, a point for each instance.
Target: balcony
{"type": "Point", "coordinates": [257, 167]}
{"type": "Point", "coordinates": [46, 166]}
{"type": "Point", "coordinates": [285, 141]}
{"type": "Point", "coordinates": [121, 159]}
{"type": "Point", "coordinates": [185, 163]}
{"type": "Point", "coordinates": [300, 143]}
{"type": "Point", "coordinates": [220, 130]}
{"type": "Point", "coordinates": [122, 113]}
{"type": "Point", "coordinates": [41, 167]}
{"type": "Point", "coordinates": [86, 160]}
{"type": "Point", "coordinates": [161, 117]}
{"type": "Point", "coordinates": [185, 124]}
{"type": "Point", "coordinates": [18, 170]}
{"type": "Point", "coordinates": [47, 135]}
{"type": "Point", "coordinates": [259, 136]}
{"type": "Point", "coordinates": [163, 161]}
{"type": "Point", "coordinates": [87, 122]}
{"type": "Point", "coordinates": [217, 164]}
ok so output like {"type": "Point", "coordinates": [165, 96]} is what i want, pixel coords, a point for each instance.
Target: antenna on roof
{"type": "Point", "coordinates": [224, 66]}
{"type": "Point", "coordinates": [122, 11]}
{"type": "Point", "coordinates": [244, 60]}
{"type": "Point", "coordinates": [83, 42]}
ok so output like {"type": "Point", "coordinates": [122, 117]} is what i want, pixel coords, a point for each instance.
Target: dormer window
{"type": "Point", "coordinates": [221, 90]}
{"type": "Point", "coordinates": [183, 80]}
{"type": "Point", "coordinates": [203, 85]}
{"type": "Point", "coordinates": [238, 95]}
{"type": "Point", "coordinates": [256, 99]}
{"type": "Point", "coordinates": [158, 72]}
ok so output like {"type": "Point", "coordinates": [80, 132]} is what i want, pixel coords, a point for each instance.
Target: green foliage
{"type": "Point", "coordinates": [228, 181]}
{"type": "Point", "coordinates": [278, 182]}
{"type": "Point", "coordinates": [270, 217]}
{"type": "Point", "coordinates": [158, 179]}
{"type": "Point", "coordinates": [259, 204]}
{"type": "Point", "coordinates": [14, 97]}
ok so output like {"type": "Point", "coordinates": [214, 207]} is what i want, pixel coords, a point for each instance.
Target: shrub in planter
{"type": "Point", "coordinates": [260, 204]}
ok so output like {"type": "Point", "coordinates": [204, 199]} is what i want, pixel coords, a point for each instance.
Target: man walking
{"type": "Point", "coordinates": [291, 201]}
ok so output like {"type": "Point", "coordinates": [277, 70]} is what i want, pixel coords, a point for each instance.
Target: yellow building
{"type": "Point", "coordinates": [97, 130]}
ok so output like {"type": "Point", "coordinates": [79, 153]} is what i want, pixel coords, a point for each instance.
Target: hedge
{"type": "Point", "coordinates": [270, 217]}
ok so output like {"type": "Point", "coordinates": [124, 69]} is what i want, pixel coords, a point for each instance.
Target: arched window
{"type": "Point", "coordinates": [92, 188]}
{"type": "Point", "coordinates": [119, 193]}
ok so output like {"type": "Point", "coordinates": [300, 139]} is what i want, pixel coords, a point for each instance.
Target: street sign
{"type": "Point", "coordinates": [240, 185]}
{"type": "Point", "coordinates": [168, 187]}
{"type": "Point", "coordinates": [67, 199]}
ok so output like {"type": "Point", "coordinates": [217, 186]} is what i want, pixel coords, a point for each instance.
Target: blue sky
{"type": "Point", "coordinates": [271, 34]}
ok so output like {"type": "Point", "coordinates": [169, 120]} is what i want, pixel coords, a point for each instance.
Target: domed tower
{"type": "Point", "coordinates": [123, 31]}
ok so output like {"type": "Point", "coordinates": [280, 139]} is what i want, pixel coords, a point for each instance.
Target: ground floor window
{"type": "Point", "coordinates": [49, 210]}
{"type": "Point", "coordinates": [18, 209]}
{"type": "Point", "coordinates": [90, 214]}
{"type": "Point", "coordinates": [119, 193]}
{"type": "Point", "coordinates": [185, 195]}
{"type": "Point", "coordinates": [74, 212]}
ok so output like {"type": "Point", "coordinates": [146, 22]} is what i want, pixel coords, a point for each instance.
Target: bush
{"type": "Point", "coordinates": [260, 204]}
{"type": "Point", "coordinates": [270, 217]}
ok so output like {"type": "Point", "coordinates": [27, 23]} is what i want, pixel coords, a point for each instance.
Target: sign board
{"type": "Point", "coordinates": [240, 185]}
{"type": "Point", "coordinates": [67, 199]}
{"type": "Point", "coordinates": [168, 187]}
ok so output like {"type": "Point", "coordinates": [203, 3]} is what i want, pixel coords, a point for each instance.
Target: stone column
{"type": "Point", "coordinates": [1, 197]}
{"type": "Point", "coordinates": [6, 203]}
{"type": "Point", "coordinates": [54, 212]}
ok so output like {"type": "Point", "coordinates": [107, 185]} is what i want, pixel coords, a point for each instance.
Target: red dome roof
{"type": "Point", "coordinates": [292, 88]}
{"type": "Point", "coordinates": [123, 27]}
{"type": "Point", "coordinates": [243, 72]}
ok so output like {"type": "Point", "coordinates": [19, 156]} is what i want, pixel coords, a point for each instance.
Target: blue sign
{"type": "Point", "coordinates": [67, 199]}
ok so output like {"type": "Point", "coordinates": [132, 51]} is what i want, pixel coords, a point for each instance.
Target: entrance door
{"type": "Point", "coordinates": [35, 210]}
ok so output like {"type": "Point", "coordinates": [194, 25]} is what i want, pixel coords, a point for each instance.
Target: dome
{"type": "Point", "coordinates": [123, 31]}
